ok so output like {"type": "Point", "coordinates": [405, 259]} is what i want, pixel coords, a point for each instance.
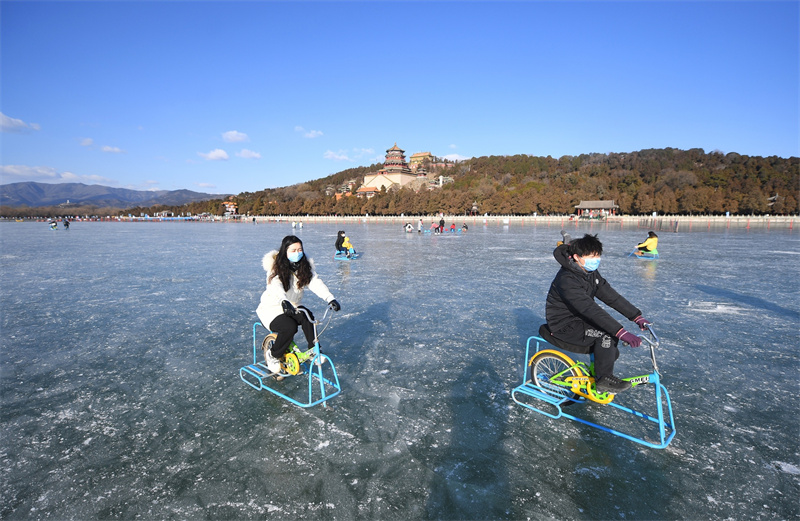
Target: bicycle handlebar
{"type": "Point", "coordinates": [652, 342]}
{"type": "Point", "coordinates": [307, 313]}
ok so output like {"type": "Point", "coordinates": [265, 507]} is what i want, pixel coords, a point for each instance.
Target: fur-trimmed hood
{"type": "Point", "coordinates": [270, 305]}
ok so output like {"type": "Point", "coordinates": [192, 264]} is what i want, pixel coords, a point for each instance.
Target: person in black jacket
{"type": "Point", "coordinates": [574, 318]}
{"type": "Point", "coordinates": [339, 241]}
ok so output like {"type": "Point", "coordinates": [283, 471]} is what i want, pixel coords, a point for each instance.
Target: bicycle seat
{"type": "Point", "coordinates": [545, 333]}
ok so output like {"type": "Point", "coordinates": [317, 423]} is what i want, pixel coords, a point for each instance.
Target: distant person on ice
{"type": "Point", "coordinates": [574, 317]}
{"type": "Point", "coordinates": [339, 241]}
{"type": "Point", "coordinates": [289, 272]}
{"type": "Point", "coordinates": [650, 245]}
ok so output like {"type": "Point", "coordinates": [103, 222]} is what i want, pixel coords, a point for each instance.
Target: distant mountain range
{"type": "Point", "coordinates": [47, 194]}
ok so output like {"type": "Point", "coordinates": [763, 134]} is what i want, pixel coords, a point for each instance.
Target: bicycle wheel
{"type": "Point", "coordinates": [549, 369]}
{"type": "Point", "coordinates": [266, 345]}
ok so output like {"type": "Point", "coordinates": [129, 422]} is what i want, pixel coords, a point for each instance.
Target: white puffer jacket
{"type": "Point", "coordinates": [270, 305]}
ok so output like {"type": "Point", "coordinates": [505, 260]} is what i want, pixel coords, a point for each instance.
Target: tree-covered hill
{"type": "Point", "coordinates": [667, 181]}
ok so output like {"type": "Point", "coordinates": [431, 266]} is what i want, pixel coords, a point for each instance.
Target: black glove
{"type": "Point", "coordinates": [288, 308]}
{"type": "Point", "coordinates": [334, 304]}
{"type": "Point", "coordinates": [310, 314]}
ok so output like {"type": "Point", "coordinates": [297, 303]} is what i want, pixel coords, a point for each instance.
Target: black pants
{"type": "Point", "coordinates": [585, 336]}
{"type": "Point", "coordinates": [286, 327]}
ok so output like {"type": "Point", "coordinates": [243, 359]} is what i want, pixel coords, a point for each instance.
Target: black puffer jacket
{"type": "Point", "coordinates": [570, 300]}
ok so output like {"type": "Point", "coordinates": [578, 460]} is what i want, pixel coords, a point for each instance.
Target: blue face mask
{"type": "Point", "coordinates": [295, 257]}
{"type": "Point", "coordinates": [591, 264]}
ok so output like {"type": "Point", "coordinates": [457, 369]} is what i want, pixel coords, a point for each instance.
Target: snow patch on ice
{"type": "Point", "coordinates": [787, 467]}
{"type": "Point", "coordinates": [713, 307]}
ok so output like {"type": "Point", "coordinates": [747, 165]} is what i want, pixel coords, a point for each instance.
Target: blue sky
{"type": "Point", "coordinates": [229, 97]}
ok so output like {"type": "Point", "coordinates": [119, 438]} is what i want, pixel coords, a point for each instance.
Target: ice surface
{"type": "Point", "coordinates": [121, 347]}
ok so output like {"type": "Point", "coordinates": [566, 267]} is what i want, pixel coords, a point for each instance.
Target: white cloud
{"type": "Point", "coordinates": [112, 150]}
{"type": "Point", "coordinates": [356, 154]}
{"type": "Point", "coordinates": [87, 142]}
{"type": "Point", "coordinates": [215, 155]}
{"type": "Point", "coordinates": [233, 136]}
{"type": "Point", "coordinates": [456, 157]}
{"type": "Point", "coordinates": [8, 124]}
{"type": "Point", "coordinates": [206, 185]}
{"type": "Point", "coordinates": [361, 152]}
{"type": "Point", "coordinates": [453, 147]}
{"type": "Point", "coordinates": [336, 156]}
{"type": "Point", "coordinates": [248, 154]}
{"type": "Point", "coordinates": [46, 174]}
{"type": "Point", "coordinates": [310, 134]}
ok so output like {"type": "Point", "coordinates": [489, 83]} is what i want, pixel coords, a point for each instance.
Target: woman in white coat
{"type": "Point", "coordinates": [289, 272]}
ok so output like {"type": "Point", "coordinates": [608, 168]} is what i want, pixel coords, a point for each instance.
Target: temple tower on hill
{"type": "Point", "coordinates": [395, 162]}
{"type": "Point", "coordinates": [394, 174]}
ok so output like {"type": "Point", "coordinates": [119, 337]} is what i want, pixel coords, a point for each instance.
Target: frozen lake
{"type": "Point", "coordinates": [121, 346]}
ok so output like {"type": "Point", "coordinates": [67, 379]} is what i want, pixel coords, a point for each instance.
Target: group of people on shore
{"type": "Point", "coordinates": [435, 227]}
{"type": "Point", "coordinates": [574, 320]}
{"type": "Point", "coordinates": [440, 227]}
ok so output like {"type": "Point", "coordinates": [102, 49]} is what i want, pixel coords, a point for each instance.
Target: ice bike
{"type": "Point", "coordinates": [552, 377]}
{"type": "Point", "coordinates": [312, 363]}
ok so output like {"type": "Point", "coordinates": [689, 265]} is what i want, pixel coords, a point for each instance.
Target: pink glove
{"type": "Point", "coordinates": [629, 338]}
{"type": "Point", "coordinates": [641, 322]}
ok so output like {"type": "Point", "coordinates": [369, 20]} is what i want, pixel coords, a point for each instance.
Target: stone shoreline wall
{"type": "Point", "coordinates": [662, 223]}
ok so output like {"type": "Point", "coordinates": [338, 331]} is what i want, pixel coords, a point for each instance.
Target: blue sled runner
{"type": "Point", "coordinates": [297, 368]}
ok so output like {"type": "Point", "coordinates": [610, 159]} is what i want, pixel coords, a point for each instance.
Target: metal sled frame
{"type": "Point", "coordinates": [644, 256]}
{"type": "Point", "coordinates": [257, 376]}
{"type": "Point", "coordinates": [666, 430]}
{"type": "Point", "coordinates": [344, 257]}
